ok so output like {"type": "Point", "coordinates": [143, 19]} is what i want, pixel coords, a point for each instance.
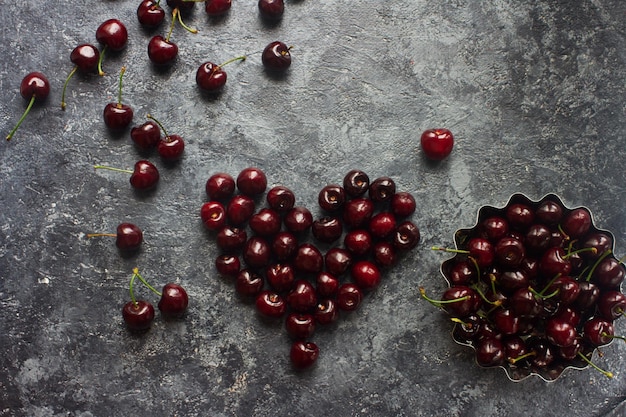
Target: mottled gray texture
{"type": "Point", "coordinates": [533, 90]}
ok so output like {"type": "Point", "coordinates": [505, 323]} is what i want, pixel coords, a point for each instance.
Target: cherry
{"type": "Point", "coordinates": [215, 8]}
{"type": "Point", "coordinates": [570, 315]}
{"type": "Point", "coordinates": [112, 34]}
{"type": "Point", "coordinates": [514, 348]}
{"type": "Point", "coordinates": [280, 198]}
{"type": "Point", "coordinates": [478, 249]}
{"type": "Point", "coordinates": [567, 289]}
{"type": "Point", "coordinates": [382, 225]}
{"type": "Point", "coordinates": [525, 303]}
{"type": "Point", "coordinates": [302, 296]}
{"type": "Point", "coordinates": [437, 144]}
{"type": "Point", "coordinates": [598, 331]}
{"type": "Point", "coordinates": [231, 238]}
{"type": "Point", "coordinates": [171, 147]}
{"type": "Point", "coordinates": [331, 198]}
{"type": "Point", "coordinates": [609, 273]}
{"type": "Point", "coordinates": [240, 209]}
{"type": "Point", "coordinates": [128, 237]}
{"type": "Point", "coordinates": [356, 183]}
{"type": "Point", "coordinates": [174, 301]}
{"type": "Point", "coordinates": [300, 326]}
{"type": "Point", "coordinates": [284, 245]}
{"type": "Point", "coordinates": [270, 304]}
{"type": "Point", "coordinates": [303, 354]}
{"type": "Point", "coordinates": [211, 77]}
{"type": "Point", "coordinates": [266, 222]}
{"type": "Point", "coordinates": [384, 254]}
{"type": "Point", "coordinates": [326, 311]}
{"type": "Point", "coordinates": [276, 56]}
{"type": "Point", "coordinates": [220, 186]}
{"type": "Point", "coordinates": [85, 58]}
{"type": "Point", "coordinates": [612, 304]}
{"type": "Point", "coordinates": [406, 236]}
{"type": "Point", "coordinates": [281, 277]}
{"type": "Point", "coordinates": [34, 86]}
{"type": "Point", "coordinates": [366, 275]}
{"type": "Point", "coordinates": [560, 332]}
{"type": "Point", "coordinates": [271, 10]}
{"type": "Point", "coordinates": [213, 215]}
{"type": "Point", "coordinates": [467, 329]}
{"type": "Point", "coordinates": [257, 252]}
{"type": "Point", "coordinates": [577, 223]}
{"type": "Point", "coordinates": [357, 212]}
{"type": "Point", "coordinates": [252, 181]}
{"type": "Point", "coordinates": [248, 283]}
{"type": "Point", "coordinates": [553, 262]}
{"type": "Point", "coordinates": [601, 241]}
{"type": "Point", "coordinates": [150, 13]}
{"type": "Point", "coordinates": [490, 352]}
{"type": "Point", "coordinates": [537, 238]}
{"type": "Point", "coordinates": [509, 252]}
{"type": "Point", "coordinates": [144, 176]}
{"type": "Point", "coordinates": [349, 296]}
{"type": "Point", "coordinates": [308, 259]}
{"type": "Point", "coordinates": [549, 212]}
{"type": "Point", "coordinates": [118, 116]}
{"type": "Point", "coordinates": [161, 50]}
{"type": "Point", "coordinates": [327, 229]}
{"type": "Point", "coordinates": [506, 321]}
{"type": "Point", "coordinates": [403, 204]}
{"type": "Point", "coordinates": [337, 261]}
{"type": "Point", "coordinates": [228, 265]}
{"type": "Point", "coordinates": [358, 242]}
{"type": "Point", "coordinates": [543, 353]}
{"type": "Point", "coordinates": [146, 136]}
{"type": "Point", "coordinates": [461, 273]}
{"type": "Point", "coordinates": [138, 315]}
{"type": "Point", "coordinates": [382, 189]}
{"type": "Point", "coordinates": [298, 219]}
{"type": "Point", "coordinates": [494, 228]}
{"type": "Point", "coordinates": [520, 216]}
{"type": "Point", "coordinates": [326, 284]}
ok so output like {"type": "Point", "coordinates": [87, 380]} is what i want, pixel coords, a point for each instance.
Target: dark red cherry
{"type": "Point", "coordinates": [382, 225]}
{"type": "Point", "coordinates": [525, 303]}
{"type": "Point", "coordinates": [34, 86]}
{"type": "Point", "coordinates": [300, 326]}
{"type": "Point", "coordinates": [598, 331]}
{"type": "Point", "coordinates": [549, 212]}
{"type": "Point", "coordinates": [252, 181]}
{"type": "Point", "coordinates": [520, 216]}
{"type": "Point", "coordinates": [302, 296]}
{"type": "Point", "coordinates": [217, 7]}
{"type": "Point", "coordinates": [240, 209]}
{"type": "Point", "coordinates": [231, 239]}
{"type": "Point", "coordinates": [609, 273]}
{"type": "Point", "coordinates": [303, 354]}
{"type": "Point", "coordinates": [145, 175]}
{"type": "Point", "coordinates": [326, 285]}
{"type": "Point", "coordinates": [271, 9]}
{"type": "Point", "coordinates": [349, 296]}
{"type": "Point", "coordinates": [211, 77]}
{"type": "Point", "coordinates": [465, 301]}
{"type": "Point", "coordinates": [571, 352]}
{"type": "Point", "coordinates": [220, 186]}
{"type": "Point", "coordinates": [284, 246]}
{"type": "Point", "coordinates": [270, 304]}
{"type": "Point", "coordinates": [511, 280]}
{"type": "Point", "coordinates": [553, 263]}
{"type": "Point", "coordinates": [560, 332]}
{"type": "Point", "coordinates": [567, 289]}
{"type": "Point", "coordinates": [382, 189]}
{"type": "Point", "coordinates": [337, 261]}
{"type": "Point", "coordinates": [327, 229]}
{"type": "Point", "coordinates": [356, 183]}
{"type": "Point", "coordinates": [128, 237]}
{"type": "Point", "coordinates": [544, 352]}
{"type": "Point", "coordinates": [280, 198]}
{"type": "Point", "coordinates": [612, 305]}
{"type": "Point", "coordinates": [406, 236]}
{"type": "Point", "coordinates": [257, 252]}
{"type": "Point", "coordinates": [117, 116]}
{"type": "Point", "coordinates": [490, 352]}
{"type": "Point", "coordinates": [357, 212]}
{"type": "Point", "coordinates": [366, 275]}
{"type": "Point", "coordinates": [537, 238]}
{"type": "Point", "coordinates": [150, 14]}
{"type": "Point", "coordinates": [174, 301]}
{"type": "Point", "coordinates": [437, 144]}
{"type": "Point", "coordinates": [298, 219]}
{"type": "Point", "coordinates": [494, 228]}
{"type": "Point", "coordinates": [332, 197]}
{"type": "Point", "coordinates": [276, 56]}
{"type": "Point", "coordinates": [509, 252]}
{"type": "Point", "coordinates": [384, 254]}
{"type": "Point", "coordinates": [514, 348]}
{"type": "Point", "coordinates": [171, 147]}
{"type": "Point", "coordinates": [248, 283]}
{"type": "Point", "coordinates": [461, 273]}
{"type": "Point", "coordinates": [326, 311]}
{"type": "Point", "coordinates": [482, 251]}
{"type": "Point", "coordinates": [162, 51]}
{"type": "Point", "coordinates": [228, 265]}
{"type": "Point", "coordinates": [308, 259]}
{"type": "Point", "coordinates": [113, 34]}
{"type": "Point", "coordinates": [213, 215]}
{"type": "Point", "coordinates": [146, 136]}
{"type": "Point", "coordinates": [358, 242]}
{"type": "Point", "coordinates": [85, 57]}
{"type": "Point", "coordinates": [576, 223]}
{"type": "Point", "coordinates": [601, 241]}
{"type": "Point", "coordinates": [281, 277]}
{"type": "Point", "coordinates": [138, 316]}
{"type": "Point", "coordinates": [266, 222]}
{"type": "Point", "coordinates": [506, 321]}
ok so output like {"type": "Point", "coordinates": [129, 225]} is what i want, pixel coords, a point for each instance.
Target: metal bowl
{"type": "Point", "coordinates": [515, 372]}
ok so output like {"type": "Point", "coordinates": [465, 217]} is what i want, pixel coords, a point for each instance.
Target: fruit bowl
{"type": "Point", "coordinates": [533, 288]}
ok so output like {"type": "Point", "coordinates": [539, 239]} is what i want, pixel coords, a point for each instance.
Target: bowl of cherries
{"type": "Point", "coordinates": [534, 288]}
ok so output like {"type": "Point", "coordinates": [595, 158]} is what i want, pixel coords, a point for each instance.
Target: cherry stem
{"type": "Point", "coordinates": [149, 116]}
{"type": "Point", "coordinates": [128, 171]}
{"type": "Point", "coordinates": [541, 295]}
{"type": "Point", "coordinates": [595, 265]}
{"type": "Point", "coordinates": [612, 336]}
{"type": "Point", "coordinates": [100, 72]}
{"type": "Point", "coordinates": [176, 14]}
{"type": "Point", "coordinates": [450, 250]}
{"type": "Point", "coordinates": [596, 367]}
{"type": "Point", "coordinates": [239, 58]}
{"type": "Point", "coordinates": [496, 303]}
{"type": "Point", "coordinates": [592, 250]}
{"type": "Point", "coordinates": [513, 361]}
{"type": "Point", "coordinates": [461, 322]}
{"type": "Point", "coordinates": [438, 303]}
{"type": "Point", "coordinates": [19, 122]}
{"type": "Point", "coordinates": [565, 235]}
{"type": "Point", "coordinates": [130, 289]}
{"type": "Point", "coordinates": [169, 33]}
{"type": "Point", "coordinates": [90, 235]}
{"type": "Point", "coordinates": [119, 89]}
{"type": "Point", "coordinates": [542, 292]}
{"type": "Point", "coordinates": [144, 282]}
{"type": "Point", "coordinates": [65, 86]}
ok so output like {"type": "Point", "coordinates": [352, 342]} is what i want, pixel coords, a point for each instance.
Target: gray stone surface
{"type": "Point", "coordinates": [533, 90]}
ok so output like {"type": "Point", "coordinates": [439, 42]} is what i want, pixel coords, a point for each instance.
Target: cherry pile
{"type": "Point", "coordinates": [534, 287]}
{"type": "Point", "coordinates": [303, 270]}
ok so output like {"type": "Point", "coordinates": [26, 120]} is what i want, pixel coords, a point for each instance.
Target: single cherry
{"type": "Point", "coordinates": [215, 8]}
{"type": "Point", "coordinates": [112, 34]}
{"type": "Point", "coordinates": [326, 285]}
{"type": "Point", "coordinates": [337, 261]}
{"type": "Point", "coordinates": [358, 212]}
{"type": "Point", "coordinates": [407, 236]}
{"type": "Point", "coordinates": [331, 197]}
{"type": "Point", "coordinates": [252, 181]}
{"type": "Point", "coordinates": [257, 252]}
{"type": "Point", "coordinates": [280, 198]}
{"type": "Point", "coordinates": [266, 222]}
{"type": "Point", "coordinates": [138, 315]}
{"type": "Point", "coordinates": [117, 116]}
{"type": "Point", "coordinates": [174, 301]}
{"type": "Point", "coordinates": [577, 223]}
{"type": "Point", "coordinates": [271, 10]}
{"type": "Point", "coordinates": [270, 304]}
{"type": "Point", "coordinates": [358, 242]}
{"type": "Point", "coordinates": [382, 189]}
{"type": "Point", "coordinates": [240, 209]}
{"type": "Point", "coordinates": [302, 296]}
{"type": "Point", "coordinates": [276, 56]}
{"type": "Point", "coordinates": [34, 86]}
{"type": "Point", "coordinates": [150, 13]}
{"type": "Point", "coordinates": [231, 239]}
{"type": "Point", "coordinates": [248, 283]}
{"type": "Point", "coordinates": [326, 311]}
{"type": "Point", "coordinates": [356, 183]}
{"type": "Point", "coordinates": [220, 186]}
{"type": "Point", "coordinates": [300, 326]}
{"type": "Point", "coordinates": [366, 275]}
{"type": "Point", "coordinates": [128, 237]}
{"type": "Point", "coordinates": [384, 254]}
{"type": "Point", "coordinates": [144, 176]}
{"type": "Point", "coordinates": [213, 215]}
{"type": "Point", "coordinates": [298, 219]}
{"type": "Point", "coordinates": [211, 77]}
{"type": "Point", "coordinates": [349, 296]}
{"type": "Point", "coordinates": [146, 136]}
{"type": "Point", "coordinates": [85, 59]}
{"type": "Point", "coordinates": [228, 265]}
{"type": "Point", "coordinates": [437, 143]}
{"type": "Point", "coordinates": [303, 354]}
{"type": "Point", "coordinates": [327, 229]}
{"type": "Point", "coordinates": [281, 277]}
{"type": "Point", "coordinates": [308, 259]}
{"type": "Point", "coordinates": [403, 204]}
{"type": "Point", "coordinates": [284, 245]}
{"type": "Point", "coordinates": [382, 224]}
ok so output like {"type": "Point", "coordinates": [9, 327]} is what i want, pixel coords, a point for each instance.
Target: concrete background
{"type": "Point", "coordinates": [533, 90]}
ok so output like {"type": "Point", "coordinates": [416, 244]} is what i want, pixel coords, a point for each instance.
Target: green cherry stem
{"type": "Point", "coordinates": [612, 336]}
{"type": "Point", "coordinates": [100, 72]}
{"type": "Point", "coordinates": [119, 87]}
{"type": "Point", "coordinates": [169, 33]}
{"type": "Point", "coordinates": [596, 367]}
{"type": "Point", "coordinates": [144, 282]}
{"type": "Point", "coordinates": [595, 265]}
{"type": "Point", "coordinates": [176, 15]}
{"type": "Point", "coordinates": [149, 116]}
{"type": "Point", "coordinates": [67, 80]}
{"type": "Point", "coordinates": [19, 122]}
{"type": "Point", "coordinates": [239, 58]}
{"type": "Point", "coordinates": [513, 361]}
{"type": "Point", "coordinates": [128, 171]}
{"type": "Point", "coordinates": [438, 303]}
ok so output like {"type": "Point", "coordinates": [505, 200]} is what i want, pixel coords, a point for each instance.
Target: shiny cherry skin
{"type": "Point", "coordinates": [171, 147]}
{"type": "Point", "coordinates": [327, 229]}
{"type": "Point", "coordinates": [298, 219]}
{"type": "Point", "coordinates": [150, 13]}
{"type": "Point", "coordinates": [494, 228]}
{"type": "Point", "coordinates": [257, 252]}
{"type": "Point", "coordinates": [271, 9]}
{"type": "Point", "coordinates": [215, 8]}
{"type": "Point", "coordinates": [240, 209]}
{"type": "Point", "coordinates": [553, 263]}
{"type": "Point", "coordinates": [220, 186]}
{"type": "Point", "coordinates": [281, 277]}
{"type": "Point", "coordinates": [382, 189]}
{"type": "Point", "coordinates": [331, 197]}
{"type": "Point", "coordinates": [162, 51]}
{"type": "Point", "coordinates": [366, 275]}
{"type": "Point", "coordinates": [302, 297]}
{"type": "Point", "coordinates": [598, 331]}
{"type": "Point", "coordinates": [382, 225]}
{"type": "Point", "coordinates": [231, 239]}
{"type": "Point", "coordinates": [280, 198]}
{"type": "Point", "coordinates": [337, 261]}
{"type": "Point", "coordinates": [549, 212]}
{"type": "Point", "coordinates": [612, 304]}
{"type": "Point", "coordinates": [85, 57]}
{"type": "Point", "coordinates": [349, 296]}
{"type": "Point", "coordinates": [577, 223]}
{"type": "Point", "coordinates": [276, 56]}
{"type": "Point", "coordinates": [138, 316]}
{"type": "Point", "coordinates": [609, 273]}
{"type": "Point", "coordinates": [384, 254]}
{"type": "Point", "coordinates": [303, 354]}
{"type": "Point", "coordinates": [145, 175]}
{"type": "Point", "coordinates": [466, 301]}
{"type": "Point", "coordinates": [509, 252]}
{"type": "Point", "coordinates": [228, 265]}
{"type": "Point", "coordinates": [252, 181]}
{"type": "Point", "coordinates": [520, 216]}
{"type": "Point", "coordinates": [265, 222]}
{"type": "Point", "coordinates": [300, 326]}
{"type": "Point", "coordinates": [601, 241]}
{"type": "Point", "coordinates": [213, 215]}
{"type": "Point", "coordinates": [308, 259]}
{"type": "Point", "coordinates": [560, 332]}
{"type": "Point", "coordinates": [284, 246]}
{"type": "Point", "coordinates": [326, 311]}
{"type": "Point", "coordinates": [326, 285]}
{"type": "Point", "coordinates": [358, 212]}
{"type": "Point", "coordinates": [248, 283]}
{"type": "Point", "coordinates": [537, 238]}
{"type": "Point", "coordinates": [462, 272]}
{"type": "Point", "coordinates": [490, 352]}
{"type": "Point", "coordinates": [407, 236]}
{"type": "Point", "coordinates": [437, 144]}
{"type": "Point", "coordinates": [403, 204]}
{"type": "Point", "coordinates": [356, 183]}
{"type": "Point", "coordinates": [34, 86]}
{"type": "Point", "coordinates": [174, 301]}
{"type": "Point", "coordinates": [506, 321]}
{"type": "Point", "coordinates": [210, 77]}
{"type": "Point", "coordinates": [128, 237]}
{"type": "Point", "coordinates": [117, 116]}
{"type": "Point", "coordinates": [113, 34]}
{"type": "Point", "coordinates": [270, 304]}
{"type": "Point", "coordinates": [358, 242]}
{"type": "Point", "coordinates": [146, 136]}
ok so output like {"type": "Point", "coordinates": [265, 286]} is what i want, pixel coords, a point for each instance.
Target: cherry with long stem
{"type": "Point", "coordinates": [117, 116]}
{"type": "Point", "coordinates": [34, 86]}
{"type": "Point", "coordinates": [596, 367]}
